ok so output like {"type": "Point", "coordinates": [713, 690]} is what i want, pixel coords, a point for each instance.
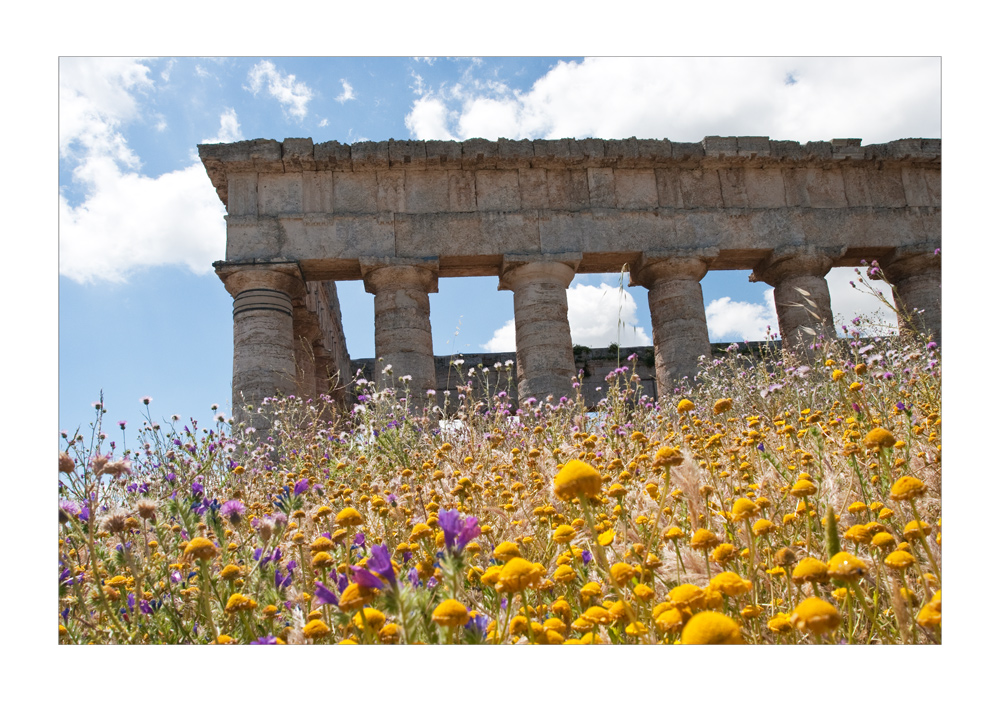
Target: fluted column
{"type": "Point", "coordinates": [916, 276]}
{"type": "Point", "coordinates": [263, 340]}
{"type": "Point", "coordinates": [545, 363]}
{"type": "Point", "coordinates": [305, 330]}
{"type": "Point", "coordinates": [403, 318]}
{"type": "Point", "coordinates": [677, 310]}
{"type": "Point", "coordinates": [801, 294]}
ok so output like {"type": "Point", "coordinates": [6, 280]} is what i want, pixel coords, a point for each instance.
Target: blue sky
{"type": "Point", "coordinates": [142, 313]}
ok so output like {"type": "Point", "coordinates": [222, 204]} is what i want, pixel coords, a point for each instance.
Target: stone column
{"type": "Point", "coordinates": [916, 277]}
{"type": "Point", "coordinates": [403, 318]}
{"type": "Point", "coordinates": [677, 310]}
{"type": "Point", "coordinates": [263, 340]}
{"type": "Point", "coordinates": [545, 363]}
{"type": "Point", "coordinates": [305, 330]}
{"type": "Point", "coordinates": [801, 294]}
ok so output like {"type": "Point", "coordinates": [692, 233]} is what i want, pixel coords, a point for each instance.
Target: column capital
{"type": "Point", "coordinates": [796, 260]}
{"type": "Point", "coordinates": [687, 264]}
{"type": "Point", "coordinates": [283, 276]}
{"type": "Point", "coordinates": [399, 273]}
{"type": "Point", "coordinates": [911, 260]}
{"type": "Point", "coordinates": [558, 266]}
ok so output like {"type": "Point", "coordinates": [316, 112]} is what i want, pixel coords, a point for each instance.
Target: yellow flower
{"type": "Point", "coordinates": [730, 583]}
{"type": "Point", "coordinates": [355, 596]}
{"type": "Point", "coordinates": [518, 574]}
{"type": "Point", "coordinates": [224, 640]}
{"type": "Point", "coordinates": [915, 529]}
{"type": "Point", "coordinates": [762, 527]}
{"type": "Point", "coordinates": [724, 553]}
{"type": "Point", "coordinates": [846, 567]}
{"type": "Point", "coordinates": [907, 488]}
{"type": "Point", "coordinates": [711, 628]}
{"type": "Point", "coordinates": [563, 534]}
{"type": "Point", "coordinates": [643, 592]}
{"type": "Point", "coordinates": [670, 619]}
{"type": "Point", "coordinates": [374, 618]}
{"type": "Point", "coordinates": [899, 560]}
{"type": "Point", "coordinates": [597, 615]}
{"type": "Point", "coordinates": [322, 560]}
{"type": "Point", "coordinates": [722, 405]}
{"type": "Point", "coordinates": [238, 602]}
{"type": "Point", "coordinates": [590, 589]}
{"type": "Point", "coordinates": [837, 374]}
{"type": "Point", "coordinates": [230, 572]}
{"type": "Point", "coordinates": [779, 624]}
{"type": "Point", "coordinates": [812, 570]}
{"type": "Point", "coordinates": [577, 478]}
{"type": "Point", "coordinates": [803, 488]}
{"type": "Point", "coordinates": [389, 634]}
{"type": "Point", "coordinates": [348, 517]}
{"type": "Point", "coordinates": [316, 629]}
{"type": "Point", "coordinates": [667, 456]}
{"type": "Point", "coordinates": [879, 438]}
{"type": "Point", "coordinates": [816, 616]}
{"type": "Point", "coordinates": [116, 581]}
{"type": "Point", "coordinates": [704, 539]}
{"type": "Point", "coordinates": [622, 573]}
{"type": "Point", "coordinates": [744, 509]}
{"type": "Point", "coordinates": [321, 544]}
{"type": "Point", "coordinates": [684, 406]}
{"type": "Point", "coordinates": [505, 551]}
{"type": "Point", "coordinates": [564, 574]}
{"type": "Point", "coordinates": [490, 576]}
{"type": "Point", "coordinates": [606, 538]}
{"type": "Point", "coordinates": [201, 548]}
{"type": "Point", "coordinates": [673, 533]}
{"type": "Point", "coordinates": [687, 595]}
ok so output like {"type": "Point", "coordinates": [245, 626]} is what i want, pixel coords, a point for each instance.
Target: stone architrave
{"type": "Point", "coordinates": [915, 274]}
{"type": "Point", "coordinates": [545, 363]}
{"type": "Point", "coordinates": [677, 310]}
{"type": "Point", "coordinates": [264, 360]}
{"type": "Point", "coordinates": [403, 318]}
{"type": "Point", "coordinates": [801, 294]}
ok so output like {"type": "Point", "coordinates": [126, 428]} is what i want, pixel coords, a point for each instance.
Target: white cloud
{"type": "Point", "coordinates": [323, 123]}
{"type": "Point", "coordinates": [165, 74]}
{"type": "Point", "coordinates": [229, 128]}
{"type": "Point", "coordinates": [125, 221]}
{"type": "Point", "coordinates": [201, 71]}
{"type": "Point", "coordinates": [742, 321]}
{"type": "Point", "coordinates": [347, 94]}
{"type": "Point", "coordinates": [685, 99]}
{"type": "Point", "coordinates": [428, 120]}
{"type": "Point", "coordinates": [293, 95]}
{"type": "Point", "coordinates": [598, 316]}
{"type": "Point", "coordinates": [503, 340]}
{"type": "Point", "coordinates": [848, 302]}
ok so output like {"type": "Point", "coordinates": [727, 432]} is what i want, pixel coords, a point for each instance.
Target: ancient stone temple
{"type": "Point", "coordinates": [532, 213]}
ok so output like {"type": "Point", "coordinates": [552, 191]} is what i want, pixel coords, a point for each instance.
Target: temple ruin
{"type": "Point", "coordinates": [532, 213]}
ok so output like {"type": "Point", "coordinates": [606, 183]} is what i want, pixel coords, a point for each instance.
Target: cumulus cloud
{"type": "Point", "coordinates": [849, 302]}
{"type": "Point", "coordinates": [730, 320]}
{"type": "Point", "coordinates": [347, 94]}
{"type": "Point", "coordinates": [229, 128]}
{"type": "Point", "coordinates": [294, 96]}
{"type": "Point", "coordinates": [124, 220]}
{"type": "Point", "coordinates": [597, 315]}
{"type": "Point", "coordinates": [684, 99]}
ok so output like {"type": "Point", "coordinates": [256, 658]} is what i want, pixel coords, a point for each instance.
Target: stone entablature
{"type": "Point", "coordinates": [467, 204]}
{"type": "Point", "coordinates": [402, 214]}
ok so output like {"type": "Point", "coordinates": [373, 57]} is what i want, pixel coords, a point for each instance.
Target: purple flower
{"type": "Point", "coordinates": [366, 579]}
{"type": "Point", "coordinates": [760, 447]}
{"type": "Point", "coordinates": [280, 580]}
{"type": "Point", "coordinates": [586, 556]}
{"type": "Point", "coordinates": [324, 596]}
{"type": "Point", "coordinates": [145, 608]}
{"type": "Point", "coordinates": [265, 640]}
{"type": "Point", "coordinates": [359, 539]}
{"type": "Point", "coordinates": [197, 489]}
{"type": "Point", "coordinates": [232, 510]}
{"type": "Point", "coordinates": [302, 486]}
{"type": "Point", "coordinates": [414, 577]}
{"type": "Point", "coordinates": [456, 532]}
{"type": "Point", "coordinates": [68, 509]}
{"type": "Point", "coordinates": [380, 563]}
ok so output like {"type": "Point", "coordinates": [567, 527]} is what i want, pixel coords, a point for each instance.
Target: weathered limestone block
{"type": "Point", "coordinates": [403, 317]}
{"type": "Point", "coordinates": [916, 275]}
{"type": "Point", "coordinates": [677, 310]}
{"type": "Point", "coordinates": [264, 361]}
{"type": "Point", "coordinates": [801, 294]}
{"type": "Point", "coordinates": [544, 346]}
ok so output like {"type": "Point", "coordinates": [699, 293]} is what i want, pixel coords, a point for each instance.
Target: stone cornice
{"type": "Point", "coordinates": [264, 156]}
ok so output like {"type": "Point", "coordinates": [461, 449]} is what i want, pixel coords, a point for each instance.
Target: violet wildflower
{"type": "Point", "coordinates": [265, 640]}
{"type": "Point", "coordinates": [324, 596]}
{"type": "Point", "coordinates": [586, 556]}
{"type": "Point", "coordinates": [68, 509]}
{"type": "Point", "coordinates": [380, 563]}
{"type": "Point", "coordinates": [233, 510]}
{"type": "Point", "coordinates": [301, 487]}
{"type": "Point", "coordinates": [366, 579]}
{"type": "Point", "coordinates": [359, 539]}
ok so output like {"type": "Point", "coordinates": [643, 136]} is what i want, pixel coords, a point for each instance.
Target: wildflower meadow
{"type": "Point", "coordinates": [774, 500]}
